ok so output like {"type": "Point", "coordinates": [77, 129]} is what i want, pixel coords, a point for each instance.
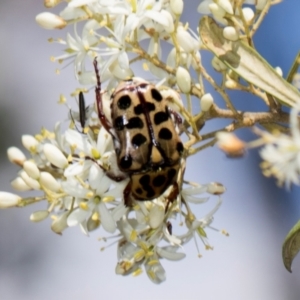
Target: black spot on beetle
{"type": "Point", "coordinates": [160, 117]}
{"type": "Point", "coordinates": [165, 134]}
{"type": "Point", "coordinates": [145, 180]}
{"type": "Point", "coordinates": [135, 122]}
{"type": "Point", "coordinates": [150, 191]}
{"type": "Point", "coordinates": [159, 180]}
{"type": "Point", "coordinates": [139, 191]}
{"type": "Point", "coordinates": [138, 109]}
{"type": "Point", "coordinates": [138, 140]}
{"type": "Point", "coordinates": [126, 162]}
{"type": "Point", "coordinates": [156, 95]}
{"type": "Point", "coordinates": [150, 106]}
{"type": "Point", "coordinates": [124, 102]}
{"type": "Point", "coordinates": [119, 123]}
{"type": "Point", "coordinates": [179, 147]}
{"type": "Point", "coordinates": [171, 174]}
{"type": "Point", "coordinates": [143, 85]}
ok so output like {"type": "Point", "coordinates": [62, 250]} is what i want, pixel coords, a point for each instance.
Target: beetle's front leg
{"type": "Point", "coordinates": [177, 120]}
{"type": "Point", "coordinates": [104, 121]}
{"type": "Point", "coordinates": [127, 194]}
{"type": "Point", "coordinates": [172, 196]}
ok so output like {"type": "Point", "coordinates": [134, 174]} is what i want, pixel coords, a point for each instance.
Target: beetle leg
{"type": "Point", "coordinates": [172, 196]}
{"type": "Point", "coordinates": [177, 120]}
{"type": "Point", "coordinates": [127, 194]}
{"type": "Point", "coordinates": [104, 121]}
{"type": "Point", "coordinates": [177, 117]}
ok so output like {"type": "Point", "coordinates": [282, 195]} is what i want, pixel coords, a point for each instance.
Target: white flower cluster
{"type": "Point", "coordinates": [281, 153]}
{"type": "Point", "coordinates": [72, 170]}
{"type": "Point", "coordinates": [113, 31]}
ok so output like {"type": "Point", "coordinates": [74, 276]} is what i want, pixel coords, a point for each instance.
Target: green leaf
{"type": "Point", "coordinates": [246, 62]}
{"type": "Point", "coordinates": [291, 246]}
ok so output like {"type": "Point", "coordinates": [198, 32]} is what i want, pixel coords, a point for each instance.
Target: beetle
{"type": "Point", "coordinates": [147, 145]}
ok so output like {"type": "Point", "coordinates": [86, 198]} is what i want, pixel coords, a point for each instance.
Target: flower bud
{"type": "Point", "coordinates": [230, 144]}
{"type": "Point", "coordinates": [168, 16]}
{"type": "Point", "coordinates": [31, 169]}
{"type": "Point", "coordinates": [49, 182]}
{"type": "Point", "coordinates": [9, 200]}
{"type": "Point", "coordinates": [50, 21]}
{"type": "Point", "coordinates": [39, 215]}
{"type": "Point", "coordinates": [34, 184]}
{"type": "Point", "coordinates": [29, 142]}
{"type": "Point", "coordinates": [279, 71]}
{"type": "Point", "coordinates": [248, 14]}
{"type": "Point", "coordinates": [215, 188]}
{"type": "Point", "coordinates": [203, 8]}
{"type": "Point", "coordinates": [226, 5]}
{"type": "Point", "coordinates": [186, 41]}
{"type": "Point", "coordinates": [206, 102]}
{"type": "Point", "coordinates": [176, 6]}
{"type": "Point", "coordinates": [51, 3]}
{"type": "Point", "coordinates": [16, 156]}
{"type": "Point", "coordinates": [55, 156]}
{"type": "Point", "coordinates": [230, 33]}
{"type": "Point", "coordinates": [183, 79]}
{"type": "Point", "coordinates": [20, 185]}
{"type": "Point", "coordinates": [231, 84]}
{"type": "Point", "coordinates": [216, 10]}
{"type": "Point", "coordinates": [60, 223]}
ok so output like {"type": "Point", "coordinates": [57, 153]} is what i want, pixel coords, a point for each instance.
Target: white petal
{"type": "Point", "coordinates": [123, 60]}
{"type": "Point", "coordinates": [170, 255]}
{"type": "Point", "coordinates": [77, 216]}
{"type": "Point", "coordinates": [170, 27]}
{"type": "Point", "coordinates": [195, 200]}
{"type": "Point", "coordinates": [78, 168]}
{"type": "Point", "coordinates": [78, 140]}
{"type": "Point", "coordinates": [157, 17]}
{"type": "Point", "coordinates": [75, 190]}
{"type": "Point", "coordinates": [106, 218]}
{"type": "Point", "coordinates": [95, 176]}
{"type": "Point", "coordinates": [119, 211]}
{"type": "Point", "coordinates": [103, 185]}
